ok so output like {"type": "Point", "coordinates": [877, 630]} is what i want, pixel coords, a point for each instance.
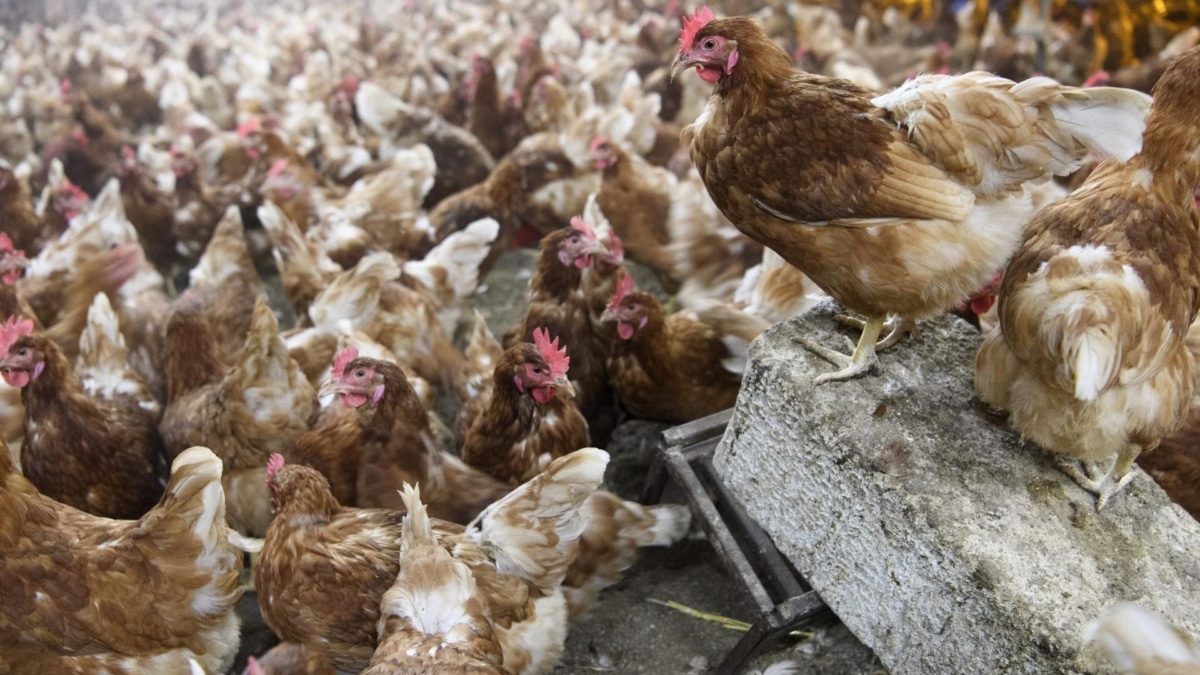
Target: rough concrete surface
{"type": "Point", "coordinates": [941, 540]}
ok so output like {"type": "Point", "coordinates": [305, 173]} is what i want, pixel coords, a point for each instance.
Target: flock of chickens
{"type": "Point", "coordinates": [156, 172]}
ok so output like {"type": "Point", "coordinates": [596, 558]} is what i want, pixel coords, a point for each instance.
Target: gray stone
{"type": "Point", "coordinates": [943, 542]}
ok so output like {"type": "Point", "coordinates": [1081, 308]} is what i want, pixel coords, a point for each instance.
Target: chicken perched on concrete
{"type": "Point", "coordinates": [897, 204]}
{"type": "Point", "coordinates": [1090, 358]}
{"type": "Point", "coordinates": [83, 594]}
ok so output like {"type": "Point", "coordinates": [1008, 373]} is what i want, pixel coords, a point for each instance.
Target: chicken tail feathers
{"type": "Point", "coordinates": [1106, 120]}
{"type": "Point", "coordinates": [534, 531]}
{"type": "Point", "coordinates": [195, 503]}
{"type": "Point", "coordinates": [1088, 317]}
{"type": "Point", "coordinates": [450, 271]}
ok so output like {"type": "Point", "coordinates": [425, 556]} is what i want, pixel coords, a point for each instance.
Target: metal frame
{"type": "Point", "coordinates": [782, 599]}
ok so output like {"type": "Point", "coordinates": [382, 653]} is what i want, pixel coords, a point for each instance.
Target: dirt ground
{"type": "Point", "coordinates": [626, 632]}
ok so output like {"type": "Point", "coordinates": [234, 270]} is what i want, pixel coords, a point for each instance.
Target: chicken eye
{"type": "Point", "coordinates": [22, 351]}
{"type": "Point", "coordinates": [710, 44]}
{"type": "Point", "coordinates": [537, 370]}
{"type": "Point", "coordinates": [360, 373]}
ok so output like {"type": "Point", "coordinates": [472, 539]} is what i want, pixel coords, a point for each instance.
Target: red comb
{"type": "Point", "coordinates": [342, 360]}
{"type": "Point", "coordinates": [584, 229]}
{"type": "Point", "coordinates": [554, 356]}
{"type": "Point", "coordinates": [248, 127]}
{"type": "Point", "coordinates": [127, 152]}
{"type": "Point", "coordinates": [277, 168]}
{"type": "Point", "coordinates": [6, 244]}
{"type": "Point", "coordinates": [599, 141]}
{"type": "Point", "coordinates": [64, 87]}
{"type": "Point", "coordinates": [692, 25]}
{"type": "Point", "coordinates": [14, 329]}
{"type": "Point", "coordinates": [624, 288]}
{"type": "Point", "coordinates": [275, 463]}
{"type": "Point", "coordinates": [252, 667]}
{"type": "Point", "coordinates": [75, 191]}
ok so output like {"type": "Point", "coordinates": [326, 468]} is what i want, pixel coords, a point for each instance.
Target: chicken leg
{"type": "Point", "coordinates": [1105, 486]}
{"type": "Point", "coordinates": [862, 360]}
{"type": "Point", "coordinates": [897, 328]}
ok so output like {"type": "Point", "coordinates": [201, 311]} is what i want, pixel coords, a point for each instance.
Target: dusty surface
{"type": "Point", "coordinates": [625, 633]}
{"type": "Point", "coordinates": [939, 538]}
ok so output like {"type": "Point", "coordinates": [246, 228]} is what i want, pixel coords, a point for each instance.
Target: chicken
{"type": "Point", "coordinates": [897, 204]}
{"type": "Point", "coordinates": [225, 283]}
{"type": "Point", "coordinates": [558, 302]}
{"type": "Point", "coordinates": [526, 423]}
{"type": "Point", "coordinates": [517, 550]}
{"type": "Point", "coordinates": [374, 299]}
{"type": "Point", "coordinates": [100, 456]}
{"type": "Point", "coordinates": [1139, 642]}
{"type": "Point", "coordinates": [636, 198]}
{"type": "Point", "coordinates": [681, 367]}
{"type": "Point", "coordinates": [103, 363]}
{"type": "Point", "coordinates": [149, 209]}
{"type": "Point", "coordinates": [244, 413]}
{"type": "Point", "coordinates": [21, 223]}
{"type": "Point", "coordinates": [497, 123]}
{"type": "Point", "coordinates": [776, 291]}
{"type": "Point", "coordinates": [462, 161]}
{"type": "Point", "coordinates": [435, 616]}
{"type": "Point", "coordinates": [1090, 359]}
{"type": "Point", "coordinates": [398, 446]}
{"type": "Point", "coordinates": [84, 594]}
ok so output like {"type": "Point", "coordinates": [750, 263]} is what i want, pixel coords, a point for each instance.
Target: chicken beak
{"type": "Point", "coordinates": [681, 63]}
{"type": "Point", "coordinates": [329, 388]}
{"type": "Point", "coordinates": [608, 315]}
{"type": "Point", "coordinates": [565, 384]}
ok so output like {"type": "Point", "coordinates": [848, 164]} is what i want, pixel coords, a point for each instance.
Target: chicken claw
{"type": "Point", "coordinates": [861, 361]}
{"type": "Point", "coordinates": [1107, 485]}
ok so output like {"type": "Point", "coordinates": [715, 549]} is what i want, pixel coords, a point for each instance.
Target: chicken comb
{"type": "Point", "coordinates": [342, 360]}
{"type": "Point", "coordinates": [599, 141]}
{"type": "Point", "coordinates": [277, 168]}
{"type": "Point", "coordinates": [248, 127]}
{"type": "Point", "coordinates": [552, 354]}
{"type": "Point", "coordinates": [6, 244]}
{"type": "Point", "coordinates": [14, 329]}
{"type": "Point", "coordinates": [275, 463]}
{"type": "Point", "coordinates": [584, 229]}
{"type": "Point", "coordinates": [74, 190]}
{"type": "Point", "coordinates": [624, 288]}
{"type": "Point", "coordinates": [692, 25]}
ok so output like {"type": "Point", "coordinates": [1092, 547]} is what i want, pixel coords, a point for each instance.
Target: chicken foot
{"type": "Point", "coordinates": [1105, 486]}
{"type": "Point", "coordinates": [897, 328]}
{"type": "Point", "coordinates": [862, 360]}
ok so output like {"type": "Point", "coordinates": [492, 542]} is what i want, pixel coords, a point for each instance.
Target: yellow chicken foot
{"type": "Point", "coordinates": [1105, 486]}
{"type": "Point", "coordinates": [1119, 476]}
{"type": "Point", "coordinates": [897, 328]}
{"type": "Point", "coordinates": [860, 362]}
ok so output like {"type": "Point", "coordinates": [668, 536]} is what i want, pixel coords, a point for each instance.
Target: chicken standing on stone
{"type": "Point", "coordinates": [898, 204]}
{"type": "Point", "coordinates": [1090, 357]}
